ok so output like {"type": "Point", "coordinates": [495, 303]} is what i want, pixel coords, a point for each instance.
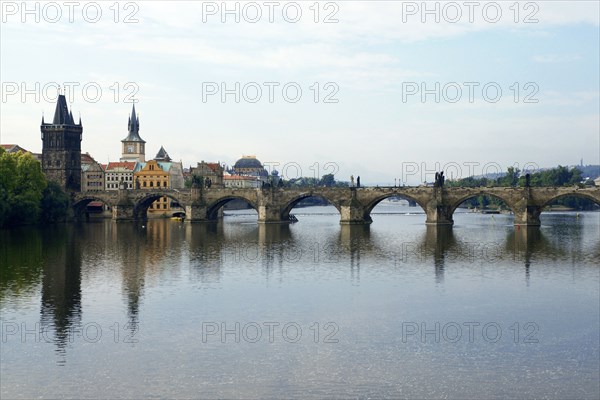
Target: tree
{"type": "Point", "coordinates": [4, 206]}
{"type": "Point", "coordinates": [21, 185]}
{"type": "Point", "coordinates": [511, 178]}
{"type": "Point", "coordinates": [327, 180]}
{"type": "Point", "coordinates": [28, 192]}
{"type": "Point", "coordinates": [54, 204]}
{"type": "Point", "coordinates": [483, 201]}
{"type": "Point", "coordinates": [8, 171]}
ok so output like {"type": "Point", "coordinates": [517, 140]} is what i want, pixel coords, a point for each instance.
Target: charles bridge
{"type": "Point", "coordinates": [354, 204]}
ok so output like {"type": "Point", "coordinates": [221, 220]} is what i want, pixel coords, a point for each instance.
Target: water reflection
{"type": "Point", "coordinates": [53, 257]}
{"type": "Point", "coordinates": [21, 262]}
{"type": "Point", "coordinates": [275, 245]}
{"type": "Point", "coordinates": [61, 285]}
{"type": "Point", "coordinates": [354, 240]}
{"type": "Point", "coordinates": [60, 264]}
{"type": "Point", "coordinates": [439, 241]}
{"type": "Point", "coordinates": [205, 244]}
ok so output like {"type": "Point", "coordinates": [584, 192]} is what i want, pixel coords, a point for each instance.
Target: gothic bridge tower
{"type": "Point", "coordinates": [61, 148]}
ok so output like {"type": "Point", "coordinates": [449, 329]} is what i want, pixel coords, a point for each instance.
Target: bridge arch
{"type": "Point", "coordinates": [287, 208]}
{"type": "Point", "coordinates": [213, 208]}
{"type": "Point", "coordinates": [373, 203]}
{"type": "Point", "coordinates": [481, 192]}
{"type": "Point", "coordinates": [80, 204]}
{"type": "Point", "coordinates": [583, 195]}
{"type": "Point", "coordinates": [140, 209]}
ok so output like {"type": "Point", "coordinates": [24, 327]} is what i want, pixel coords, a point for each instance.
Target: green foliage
{"type": "Point", "coordinates": [8, 172]}
{"type": "Point", "coordinates": [511, 178]}
{"type": "Point", "coordinates": [30, 178]}
{"type": "Point", "coordinates": [55, 203]}
{"type": "Point", "coordinates": [560, 176]}
{"type": "Point", "coordinates": [23, 195]}
{"type": "Point", "coordinates": [470, 182]}
{"type": "Point", "coordinates": [4, 206]}
{"type": "Point", "coordinates": [327, 180]}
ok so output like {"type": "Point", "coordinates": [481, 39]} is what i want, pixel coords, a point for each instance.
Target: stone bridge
{"type": "Point", "coordinates": [354, 204]}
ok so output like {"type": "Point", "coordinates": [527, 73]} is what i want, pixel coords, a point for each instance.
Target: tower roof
{"type": "Point", "coordinates": [162, 155]}
{"type": "Point", "coordinates": [134, 128]}
{"type": "Point", "coordinates": [62, 116]}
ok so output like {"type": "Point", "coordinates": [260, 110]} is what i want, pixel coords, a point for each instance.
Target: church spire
{"type": "Point", "coordinates": [133, 126]}
{"type": "Point", "coordinates": [134, 122]}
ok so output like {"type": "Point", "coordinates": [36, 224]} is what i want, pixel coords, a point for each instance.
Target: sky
{"type": "Point", "coordinates": [391, 91]}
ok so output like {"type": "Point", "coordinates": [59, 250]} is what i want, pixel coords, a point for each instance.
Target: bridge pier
{"type": "Point", "coordinates": [528, 215]}
{"type": "Point", "coordinates": [123, 212]}
{"type": "Point", "coordinates": [354, 215]}
{"type": "Point", "coordinates": [270, 215]}
{"type": "Point", "coordinates": [353, 212]}
{"type": "Point", "coordinates": [439, 215]}
{"type": "Point", "coordinates": [196, 213]}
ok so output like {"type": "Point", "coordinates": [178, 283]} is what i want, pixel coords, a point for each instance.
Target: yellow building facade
{"type": "Point", "coordinates": [152, 177]}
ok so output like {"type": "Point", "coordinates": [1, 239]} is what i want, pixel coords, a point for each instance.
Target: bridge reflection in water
{"type": "Point", "coordinates": [139, 255]}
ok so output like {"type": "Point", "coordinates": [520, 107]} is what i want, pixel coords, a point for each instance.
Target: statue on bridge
{"type": "Point", "coordinates": [197, 181]}
{"type": "Point", "coordinates": [351, 180]}
{"type": "Point", "coordinates": [439, 179]}
{"type": "Point", "coordinates": [358, 181]}
{"type": "Point", "coordinates": [527, 180]}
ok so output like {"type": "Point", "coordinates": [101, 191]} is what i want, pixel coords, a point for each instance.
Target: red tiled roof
{"type": "Point", "coordinates": [87, 158]}
{"type": "Point", "coordinates": [123, 164]}
{"type": "Point", "coordinates": [213, 166]}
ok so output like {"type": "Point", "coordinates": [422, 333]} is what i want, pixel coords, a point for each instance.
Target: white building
{"type": "Point", "coordinates": [119, 171]}
{"type": "Point", "coordinates": [241, 181]}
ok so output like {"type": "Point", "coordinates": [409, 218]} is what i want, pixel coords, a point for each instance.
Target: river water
{"type": "Point", "coordinates": [310, 310]}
